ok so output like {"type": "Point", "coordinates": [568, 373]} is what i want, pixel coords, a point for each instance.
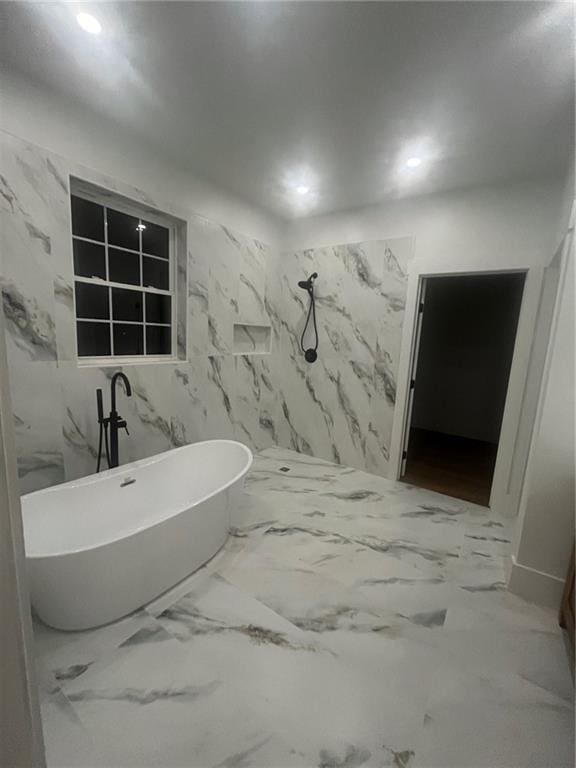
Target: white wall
{"type": "Point", "coordinates": [72, 131]}
{"type": "Point", "coordinates": [534, 378]}
{"type": "Point", "coordinates": [21, 743]}
{"type": "Point", "coordinates": [545, 528]}
{"type": "Point", "coordinates": [488, 227]}
{"type": "Point", "coordinates": [567, 202]}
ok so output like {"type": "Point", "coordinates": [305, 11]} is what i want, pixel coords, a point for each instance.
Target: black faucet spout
{"type": "Point", "coordinates": [127, 387]}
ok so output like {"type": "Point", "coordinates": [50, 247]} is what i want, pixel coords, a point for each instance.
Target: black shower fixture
{"type": "Point", "coordinates": [308, 285]}
{"type": "Point", "coordinates": [112, 422]}
{"type": "Point", "coordinates": [310, 354]}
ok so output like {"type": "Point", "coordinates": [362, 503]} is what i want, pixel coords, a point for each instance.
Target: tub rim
{"type": "Point", "coordinates": [139, 463]}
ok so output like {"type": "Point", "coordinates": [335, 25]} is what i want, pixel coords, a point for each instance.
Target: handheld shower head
{"type": "Point", "coordinates": [307, 285]}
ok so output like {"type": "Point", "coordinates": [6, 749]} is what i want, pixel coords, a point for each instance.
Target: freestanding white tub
{"type": "Point", "coordinates": [101, 547]}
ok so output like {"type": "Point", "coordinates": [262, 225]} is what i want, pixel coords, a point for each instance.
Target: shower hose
{"type": "Point", "coordinates": [310, 354]}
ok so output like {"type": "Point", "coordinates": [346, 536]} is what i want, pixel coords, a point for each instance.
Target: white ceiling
{"type": "Point", "coordinates": [262, 97]}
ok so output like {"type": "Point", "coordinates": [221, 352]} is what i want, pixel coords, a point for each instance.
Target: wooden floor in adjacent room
{"type": "Point", "coordinates": [455, 466]}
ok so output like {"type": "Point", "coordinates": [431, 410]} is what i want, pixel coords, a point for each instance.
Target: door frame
{"type": "Point", "coordinates": [414, 350]}
{"type": "Point", "coordinates": [500, 500]}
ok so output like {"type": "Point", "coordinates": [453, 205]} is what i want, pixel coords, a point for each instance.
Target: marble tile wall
{"type": "Point", "coordinates": [340, 408]}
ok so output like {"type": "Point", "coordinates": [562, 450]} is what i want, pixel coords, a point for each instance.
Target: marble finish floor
{"type": "Point", "coordinates": [349, 621]}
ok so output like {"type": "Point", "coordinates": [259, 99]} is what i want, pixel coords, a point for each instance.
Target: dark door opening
{"type": "Point", "coordinates": [462, 364]}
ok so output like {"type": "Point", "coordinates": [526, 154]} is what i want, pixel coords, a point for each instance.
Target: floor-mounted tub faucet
{"type": "Point", "coordinates": [116, 422]}
{"type": "Point", "coordinates": [113, 422]}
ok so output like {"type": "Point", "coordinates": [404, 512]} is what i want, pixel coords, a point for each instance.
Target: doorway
{"type": "Point", "coordinates": [463, 354]}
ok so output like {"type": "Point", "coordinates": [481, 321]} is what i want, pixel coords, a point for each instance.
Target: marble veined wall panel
{"type": "Point", "coordinates": [29, 203]}
{"type": "Point", "coordinates": [173, 403]}
{"type": "Point", "coordinates": [35, 394]}
{"type": "Point", "coordinates": [340, 408]}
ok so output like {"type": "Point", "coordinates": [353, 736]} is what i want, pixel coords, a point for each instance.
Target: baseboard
{"type": "Point", "coordinates": [535, 586]}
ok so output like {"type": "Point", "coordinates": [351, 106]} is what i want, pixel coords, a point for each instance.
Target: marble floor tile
{"type": "Point", "coordinates": [531, 655]}
{"type": "Point", "coordinates": [67, 742]}
{"type": "Point", "coordinates": [235, 635]}
{"type": "Point", "coordinates": [421, 600]}
{"type": "Point", "coordinates": [216, 609]}
{"type": "Point", "coordinates": [310, 601]}
{"type": "Point", "coordinates": [348, 621]}
{"type": "Point", "coordinates": [497, 607]}
{"type": "Point", "coordinates": [475, 723]}
{"type": "Point", "coordinates": [276, 666]}
{"type": "Point", "coordinates": [200, 725]}
{"type": "Point", "coordinates": [146, 663]}
{"type": "Point", "coordinates": [64, 653]}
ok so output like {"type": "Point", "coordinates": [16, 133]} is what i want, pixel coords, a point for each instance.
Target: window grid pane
{"type": "Point", "coordinates": [124, 267]}
{"type": "Point", "coordinates": [155, 273]}
{"type": "Point", "coordinates": [128, 339]}
{"type": "Point", "coordinates": [155, 239]}
{"type": "Point", "coordinates": [127, 305]}
{"type": "Point", "coordinates": [92, 301]}
{"type": "Point", "coordinates": [93, 339]}
{"type": "Point", "coordinates": [123, 230]}
{"type": "Point", "coordinates": [121, 339]}
{"type": "Point", "coordinates": [159, 339]}
{"type": "Point", "coordinates": [89, 258]}
{"type": "Point", "coordinates": [87, 218]}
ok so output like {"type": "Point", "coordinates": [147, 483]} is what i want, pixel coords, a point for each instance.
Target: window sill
{"type": "Point", "coordinates": [122, 362]}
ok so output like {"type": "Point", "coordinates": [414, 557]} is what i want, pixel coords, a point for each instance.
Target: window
{"type": "Point", "coordinates": [123, 282]}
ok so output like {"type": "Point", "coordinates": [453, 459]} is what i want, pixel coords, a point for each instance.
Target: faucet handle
{"type": "Point", "coordinates": [121, 424]}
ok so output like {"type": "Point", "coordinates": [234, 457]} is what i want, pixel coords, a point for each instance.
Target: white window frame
{"type": "Point", "coordinates": [109, 200]}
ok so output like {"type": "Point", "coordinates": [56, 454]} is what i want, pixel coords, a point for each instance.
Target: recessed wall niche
{"type": "Point", "coordinates": [252, 339]}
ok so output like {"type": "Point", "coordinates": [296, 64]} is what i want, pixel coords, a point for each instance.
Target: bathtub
{"type": "Point", "coordinates": [101, 547]}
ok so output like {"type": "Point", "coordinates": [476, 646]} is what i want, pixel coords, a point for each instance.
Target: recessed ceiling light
{"type": "Point", "coordinates": [413, 162]}
{"type": "Point", "coordinates": [89, 23]}
{"type": "Point", "coordinates": [302, 190]}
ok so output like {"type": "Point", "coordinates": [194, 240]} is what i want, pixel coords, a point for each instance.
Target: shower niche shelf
{"type": "Point", "coordinates": [252, 339]}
